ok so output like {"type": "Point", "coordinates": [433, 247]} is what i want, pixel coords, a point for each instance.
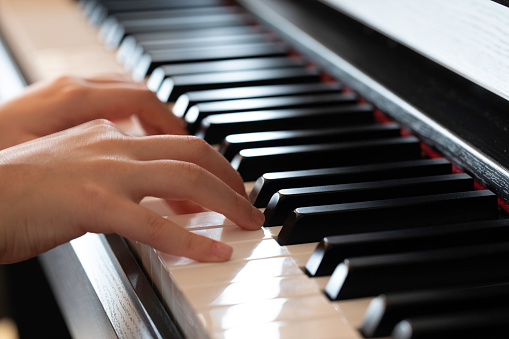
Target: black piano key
{"type": "Point", "coordinates": [149, 61]}
{"type": "Point", "coordinates": [150, 46]}
{"type": "Point", "coordinates": [171, 13]}
{"type": "Point", "coordinates": [130, 42]}
{"type": "Point", "coordinates": [331, 251]}
{"type": "Point", "coordinates": [442, 268]}
{"type": "Point", "coordinates": [270, 183]}
{"type": "Point", "coordinates": [252, 163]}
{"type": "Point", "coordinates": [189, 99]}
{"type": "Point", "coordinates": [98, 13]}
{"type": "Point", "coordinates": [385, 311]}
{"type": "Point", "coordinates": [312, 224]}
{"type": "Point", "coordinates": [87, 7]}
{"type": "Point", "coordinates": [234, 143]}
{"type": "Point", "coordinates": [180, 21]}
{"type": "Point", "coordinates": [115, 21]}
{"type": "Point", "coordinates": [490, 323]}
{"type": "Point", "coordinates": [173, 87]}
{"type": "Point", "coordinates": [285, 201]}
{"type": "Point", "coordinates": [198, 112]}
{"type": "Point", "coordinates": [113, 37]}
{"type": "Point", "coordinates": [216, 127]}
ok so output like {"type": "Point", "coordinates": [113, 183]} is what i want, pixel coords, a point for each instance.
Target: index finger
{"type": "Point", "coordinates": [189, 149]}
{"type": "Point", "coordinates": [135, 222]}
{"type": "Point", "coordinates": [121, 100]}
{"type": "Point", "coordinates": [177, 180]}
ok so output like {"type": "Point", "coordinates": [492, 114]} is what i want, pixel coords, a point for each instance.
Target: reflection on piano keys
{"type": "Point", "coordinates": [361, 229]}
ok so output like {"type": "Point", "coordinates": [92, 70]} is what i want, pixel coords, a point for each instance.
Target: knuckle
{"type": "Point", "coordinates": [71, 87]}
{"type": "Point", "coordinates": [91, 191]}
{"type": "Point", "coordinates": [198, 147]}
{"type": "Point", "coordinates": [102, 123]}
{"type": "Point", "coordinates": [106, 129]}
{"type": "Point", "coordinates": [63, 80]}
{"type": "Point", "coordinates": [193, 172]}
{"type": "Point", "coordinates": [102, 133]}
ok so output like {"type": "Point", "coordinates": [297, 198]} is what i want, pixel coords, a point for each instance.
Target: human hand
{"type": "Point", "coordinates": [52, 106]}
{"type": "Point", "coordinates": [65, 102]}
{"type": "Point", "coordinates": [90, 178]}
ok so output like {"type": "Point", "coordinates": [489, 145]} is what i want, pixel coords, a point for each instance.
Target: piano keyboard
{"type": "Point", "coordinates": [365, 236]}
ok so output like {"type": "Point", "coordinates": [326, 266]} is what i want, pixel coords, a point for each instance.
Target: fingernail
{"type": "Point", "coordinates": [258, 216]}
{"type": "Point", "coordinates": [222, 251]}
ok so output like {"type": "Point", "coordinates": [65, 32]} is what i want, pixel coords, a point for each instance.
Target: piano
{"type": "Point", "coordinates": [373, 135]}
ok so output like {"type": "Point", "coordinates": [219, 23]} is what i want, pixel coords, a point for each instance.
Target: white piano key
{"type": "Point", "coordinates": [200, 220]}
{"type": "Point", "coordinates": [257, 250]}
{"type": "Point", "coordinates": [231, 234]}
{"type": "Point", "coordinates": [248, 185]}
{"type": "Point", "coordinates": [146, 257]}
{"type": "Point", "coordinates": [274, 231]}
{"type": "Point", "coordinates": [157, 205]}
{"type": "Point", "coordinates": [158, 272]}
{"type": "Point", "coordinates": [248, 250]}
{"type": "Point", "coordinates": [301, 259]}
{"type": "Point", "coordinates": [240, 271]}
{"type": "Point", "coordinates": [327, 328]}
{"type": "Point", "coordinates": [294, 249]}
{"type": "Point", "coordinates": [306, 249]}
{"type": "Point", "coordinates": [188, 286]}
{"type": "Point", "coordinates": [353, 310]}
{"type": "Point", "coordinates": [266, 311]}
{"type": "Point", "coordinates": [300, 253]}
{"type": "Point", "coordinates": [243, 292]}
{"type": "Point", "coordinates": [321, 281]}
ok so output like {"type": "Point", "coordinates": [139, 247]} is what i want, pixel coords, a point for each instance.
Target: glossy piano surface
{"type": "Point", "coordinates": [266, 290]}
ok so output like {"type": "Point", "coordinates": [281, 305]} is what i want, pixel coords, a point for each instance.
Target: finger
{"type": "Point", "coordinates": [189, 149]}
{"type": "Point", "coordinates": [177, 180]}
{"type": "Point", "coordinates": [123, 100]}
{"type": "Point", "coordinates": [140, 224]}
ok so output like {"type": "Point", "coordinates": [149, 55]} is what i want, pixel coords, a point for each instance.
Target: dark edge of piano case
{"type": "Point", "coordinates": [90, 311]}
{"type": "Point", "coordinates": [420, 94]}
{"type": "Point", "coordinates": [85, 308]}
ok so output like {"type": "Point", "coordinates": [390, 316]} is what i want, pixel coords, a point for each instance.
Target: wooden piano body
{"type": "Point", "coordinates": [448, 89]}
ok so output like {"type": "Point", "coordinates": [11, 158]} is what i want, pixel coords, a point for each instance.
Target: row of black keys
{"type": "Point", "coordinates": [239, 79]}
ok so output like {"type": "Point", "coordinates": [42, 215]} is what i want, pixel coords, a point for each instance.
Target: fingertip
{"type": "Point", "coordinates": [250, 219]}
{"type": "Point", "coordinates": [258, 217]}
{"type": "Point", "coordinates": [222, 251]}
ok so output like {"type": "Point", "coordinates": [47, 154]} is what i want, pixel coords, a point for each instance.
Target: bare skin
{"type": "Point", "coordinates": [62, 176]}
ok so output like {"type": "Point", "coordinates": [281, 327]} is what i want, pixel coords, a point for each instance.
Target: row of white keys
{"type": "Point", "coordinates": [261, 291]}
